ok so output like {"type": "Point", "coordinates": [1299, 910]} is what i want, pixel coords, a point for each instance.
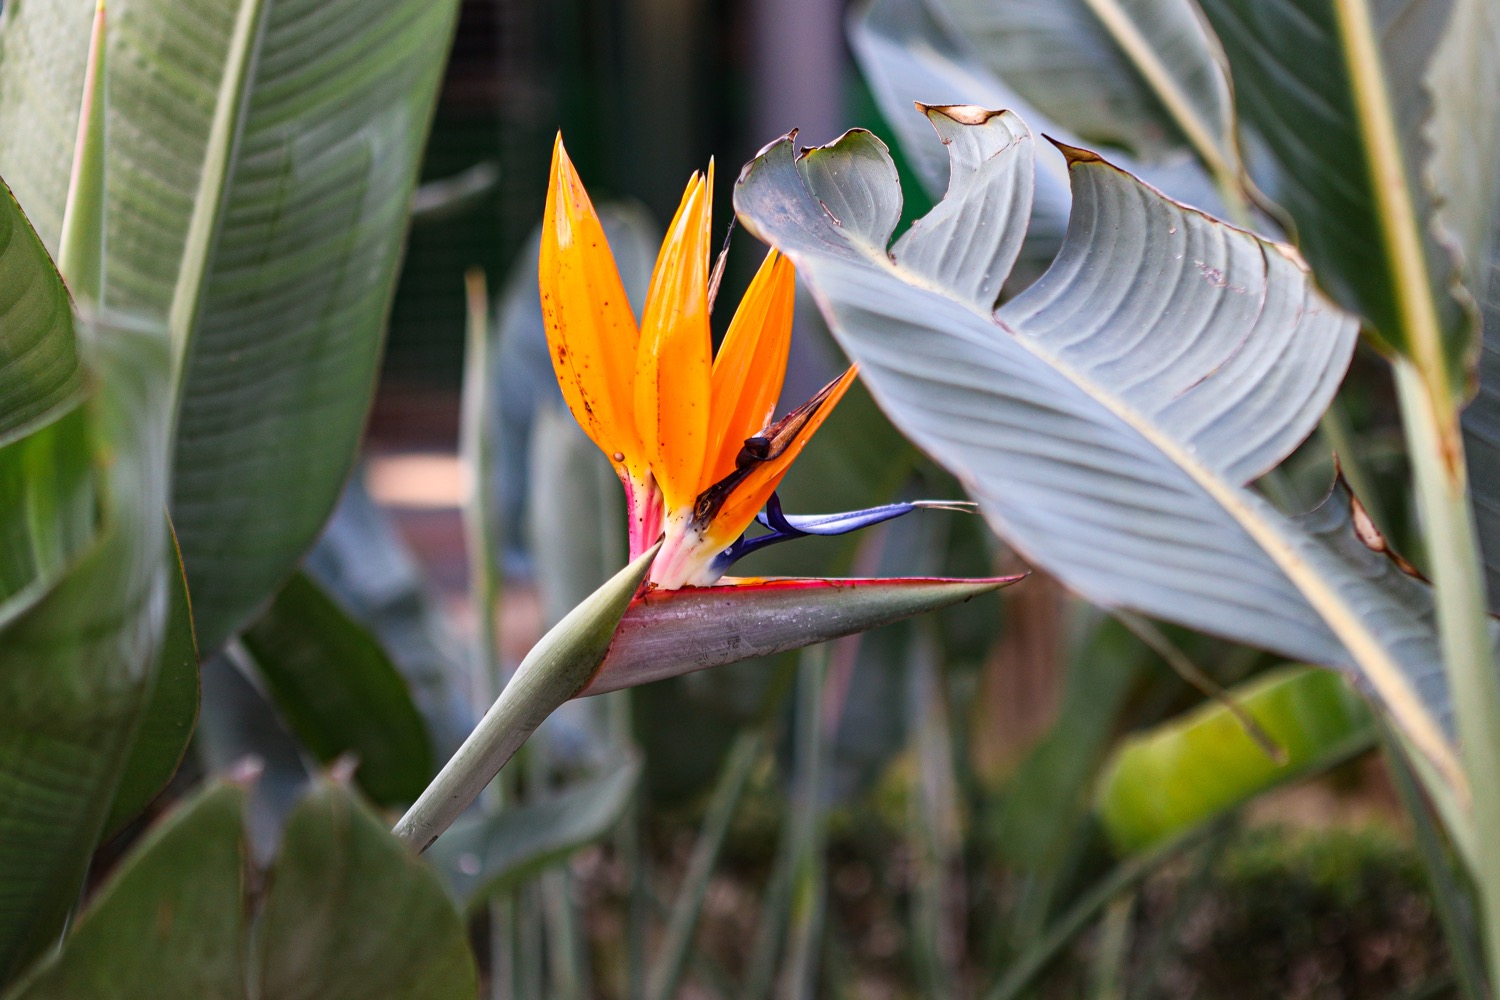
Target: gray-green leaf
{"type": "Point", "coordinates": [1108, 419]}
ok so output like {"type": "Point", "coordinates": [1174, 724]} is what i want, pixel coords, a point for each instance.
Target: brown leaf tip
{"type": "Point", "coordinates": [1074, 154]}
{"type": "Point", "coordinates": [1371, 537]}
{"type": "Point", "coordinates": [964, 114]}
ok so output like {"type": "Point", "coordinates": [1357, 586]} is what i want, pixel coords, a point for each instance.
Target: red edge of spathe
{"type": "Point", "coordinates": [821, 583]}
{"type": "Point", "coordinates": [752, 584]}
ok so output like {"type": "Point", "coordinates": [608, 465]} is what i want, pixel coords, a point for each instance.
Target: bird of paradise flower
{"type": "Point", "coordinates": [689, 433]}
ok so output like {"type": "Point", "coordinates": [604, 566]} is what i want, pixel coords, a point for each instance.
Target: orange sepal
{"type": "Point", "coordinates": [672, 368]}
{"type": "Point", "coordinates": [785, 441]}
{"type": "Point", "coordinates": [591, 331]}
{"type": "Point", "coordinates": [751, 363]}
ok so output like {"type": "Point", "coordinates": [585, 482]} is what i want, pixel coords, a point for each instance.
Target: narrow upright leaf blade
{"type": "Point", "coordinates": [339, 692]}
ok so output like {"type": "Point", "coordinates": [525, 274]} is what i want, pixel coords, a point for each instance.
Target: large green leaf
{"type": "Point", "coordinates": [170, 716]}
{"type": "Point", "coordinates": [917, 50]}
{"type": "Point", "coordinates": [339, 692]}
{"type": "Point", "coordinates": [1382, 175]}
{"type": "Point", "coordinates": [47, 502]}
{"type": "Point", "coordinates": [48, 508]}
{"type": "Point", "coordinates": [353, 915]}
{"type": "Point", "coordinates": [1165, 781]}
{"type": "Point", "coordinates": [1140, 74]}
{"type": "Point", "coordinates": [348, 914]}
{"type": "Point", "coordinates": [283, 358]}
{"type": "Point", "coordinates": [1109, 418]}
{"type": "Point", "coordinates": [76, 666]}
{"type": "Point", "coordinates": [262, 155]}
{"type": "Point", "coordinates": [170, 922]}
{"type": "Point", "coordinates": [39, 367]}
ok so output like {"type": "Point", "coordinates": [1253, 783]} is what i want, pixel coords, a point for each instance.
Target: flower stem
{"type": "Point", "coordinates": [1441, 481]}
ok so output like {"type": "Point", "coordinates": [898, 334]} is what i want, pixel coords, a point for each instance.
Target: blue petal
{"type": "Point", "coordinates": [784, 526]}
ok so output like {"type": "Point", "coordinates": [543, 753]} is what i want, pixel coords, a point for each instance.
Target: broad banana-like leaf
{"type": "Point", "coordinates": [1109, 418]}
{"type": "Point", "coordinates": [338, 691]}
{"type": "Point", "coordinates": [47, 502]}
{"type": "Point", "coordinates": [262, 155]}
{"type": "Point", "coordinates": [911, 50]}
{"type": "Point", "coordinates": [1381, 120]}
{"type": "Point", "coordinates": [485, 854]}
{"type": "Point", "coordinates": [1144, 75]}
{"type": "Point", "coordinates": [670, 632]}
{"type": "Point", "coordinates": [170, 922]}
{"type": "Point", "coordinates": [1184, 772]}
{"type": "Point", "coordinates": [167, 723]}
{"type": "Point", "coordinates": [76, 665]}
{"type": "Point", "coordinates": [352, 913]}
{"type": "Point", "coordinates": [347, 913]}
{"type": "Point", "coordinates": [40, 374]}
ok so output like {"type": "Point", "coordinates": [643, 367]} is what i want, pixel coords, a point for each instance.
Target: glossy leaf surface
{"type": "Point", "coordinates": [171, 715]}
{"type": "Point", "coordinates": [1171, 778]}
{"type": "Point", "coordinates": [261, 158]}
{"type": "Point", "coordinates": [347, 913]}
{"type": "Point", "coordinates": [339, 692]}
{"type": "Point", "coordinates": [76, 665]}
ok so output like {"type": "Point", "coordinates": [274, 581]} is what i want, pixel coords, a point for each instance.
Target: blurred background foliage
{"type": "Point", "coordinates": [963, 757]}
{"type": "Point", "coordinates": [1018, 796]}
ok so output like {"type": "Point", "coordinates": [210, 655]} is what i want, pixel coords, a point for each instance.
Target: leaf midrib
{"type": "Point", "coordinates": [1395, 213]}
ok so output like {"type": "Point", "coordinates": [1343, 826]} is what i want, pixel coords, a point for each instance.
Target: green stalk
{"type": "Point", "coordinates": [678, 940]}
{"type": "Point", "coordinates": [475, 454]}
{"type": "Point", "coordinates": [506, 952]}
{"type": "Point", "coordinates": [1458, 928]}
{"type": "Point", "coordinates": [808, 830]}
{"type": "Point", "coordinates": [937, 909]}
{"type": "Point", "coordinates": [1111, 952]}
{"type": "Point", "coordinates": [1441, 478]}
{"type": "Point", "coordinates": [765, 950]}
{"type": "Point", "coordinates": [1123, 878]}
